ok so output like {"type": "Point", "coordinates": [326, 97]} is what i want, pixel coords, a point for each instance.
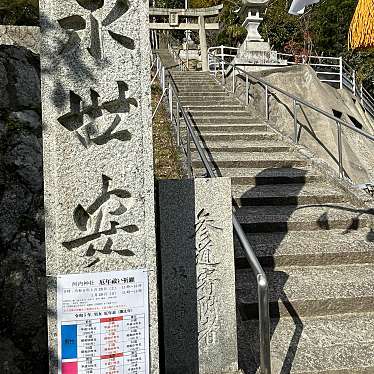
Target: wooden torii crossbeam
{"type": "Point", "coordinates": [175, 24]}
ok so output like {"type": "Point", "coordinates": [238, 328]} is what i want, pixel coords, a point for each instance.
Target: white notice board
{"type": "Point", "coordinates": [103, 323]}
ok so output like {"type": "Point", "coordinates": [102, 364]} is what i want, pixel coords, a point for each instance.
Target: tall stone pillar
{"type": "Point", "coordinates": [198, 276]}
{"type": "Point", "coordinates": [203, 45]}
{"type": "Point", "coordinates": [98, 162]}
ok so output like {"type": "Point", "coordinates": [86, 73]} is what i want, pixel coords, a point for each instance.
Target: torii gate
{"type": "Point", "coordinates": [201, 25]}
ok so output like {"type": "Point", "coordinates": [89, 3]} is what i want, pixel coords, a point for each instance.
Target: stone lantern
{"type": "Point", "coordinates": [255, 50]}
{"type": "Point", "coordinates": [254, 9]}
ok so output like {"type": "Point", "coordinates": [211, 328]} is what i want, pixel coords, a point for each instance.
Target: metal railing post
{"type": "Point", "coordinates": [163, 79]}
{"type": "Point", "coordinates": [263, 298]}
{"type": "Point", "coordinates": [189, 162]}
{"type": "Point", "coordinates": [223, 73]}
{"type": "Point", "coordinates": [222, 67]}
{"type": "Point", "coordinates": [267, 102]}
{"type": "Point", "coordinates": [170, 102]}
{"type": "Point", "coordinates": [233, 79]}
{"type": "Point", "coordinates": [246, 90]}
{"type": "Point", "coordinates": [178, 126]}
{"type": "Point", "coordinates": [341, 71]}
{"type": "Point", "coordinates": [264, 325]}
{"type": "Point", "coordinates": [295, 124]}
{"type": "Point", "coordinates": [340, 150]}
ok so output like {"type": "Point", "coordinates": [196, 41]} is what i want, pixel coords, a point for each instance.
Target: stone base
{"type": "Point", "coordinates": [193, 54]}
{"type": "Point", "coordinates": [252, 67]}
{"type": "Point", "coordinates": [189, 45]}
{"type": "Point", "coordinates": [257, 53]}
{"type": "Point", "coordinates": [254, 46]}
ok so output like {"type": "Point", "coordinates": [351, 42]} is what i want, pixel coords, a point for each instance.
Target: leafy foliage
{"type": "Point", "coordinates": [323, 29]}
{"type": "Point", "coordinates": [280, 27]}
{"type": "Point", "coordinates": [19, 12]}
{"type": "Point", "coordinates": [330, 25]}
{"type": "Point", "coordinates": [176, 4]}
{"type": "Point", "coordinates": [231, 32]}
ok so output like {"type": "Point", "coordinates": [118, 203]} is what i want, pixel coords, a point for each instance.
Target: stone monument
{"type": "Point", "coordinates": [198, 276]}
{"type": "Point", "coordinates": [254, 50]}
{"type": "Point", "coordinates": [98, 162]}
{"type": "Point", "coordinates": [189, 51]}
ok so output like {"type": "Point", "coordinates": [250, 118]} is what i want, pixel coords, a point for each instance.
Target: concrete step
{"type": "Point", "coordinates": [231, 128]}
{"type": "Point", "coordinates": [287, 194]}
{"type": "Point", "coordinates": [191, 73]}
{"type": "Point", "coordinates": [199, 87]}
{"type": "Point", "coordinates": [226, 136]}
{"type": "Point", "coordinates": [303, 217]}
{"type": "Point", "coordinates": [197, 108]}
{"type": "Point", "coordinates": [183, 84]}
{"type": "Point", "coordinates": [222, 115]}
{"type": "Point", "coordinates": [193, 84]}
{"type": "Point", "coordinates": [338, 344]}
{"type": "Point", "coordinates": [244, 146]}
{"type": "Point", "coordinates": [206, 94]}
{"type": "Point", "coordinates": [309, 248]}
{"type": "Point", "coordinates": [265, 176]}
{"type": "Point", "coordinates": [252, 160]}
{"type": "Point", "coordinates": [225, 100]}
{"type": "Point", "coordinates": [190, 82]}
{"type": "Point", "coordinates": [309, 291]}
{"type": "Point", "coordinates": [215, 100]}
{"type": "Point", "coordinates": [244, 118]}
{"type": "Point", "coordinates": [240, 122]}
{"type": "Point", "coordinates": [203, 98]}
{"type": "Point", "coordinates": [189, 77]}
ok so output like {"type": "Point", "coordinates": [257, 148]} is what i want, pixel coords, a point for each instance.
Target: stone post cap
{"type": "Point", "coordinates": [254, 3]}
{"type": "Point", "coordinates": [248, 4]}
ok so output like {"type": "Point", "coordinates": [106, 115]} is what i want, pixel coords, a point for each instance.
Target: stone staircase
{"type": "Point", "coordinates": [312, 235]}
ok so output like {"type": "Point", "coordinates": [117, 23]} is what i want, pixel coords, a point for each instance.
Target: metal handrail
{"type": "Point", "coordinates": [297, 102]}
{"type": "Point", "coordinates": [262, 283]}
{"type": "Point", "coordinates": [305, 57]}
{"type": "Point", "coordinates": [346, 73]}
{"type": "Point", "coordinates": [337, 66]}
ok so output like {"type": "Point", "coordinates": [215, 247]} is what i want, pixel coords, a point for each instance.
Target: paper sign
{"type": "Point", "coordinates": [103, 323]}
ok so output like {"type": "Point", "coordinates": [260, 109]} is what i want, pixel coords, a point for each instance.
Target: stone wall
{"type": "Point", "coordinates": [23, 313]}
{"type": "Point", "coordinates": [21, 36]}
